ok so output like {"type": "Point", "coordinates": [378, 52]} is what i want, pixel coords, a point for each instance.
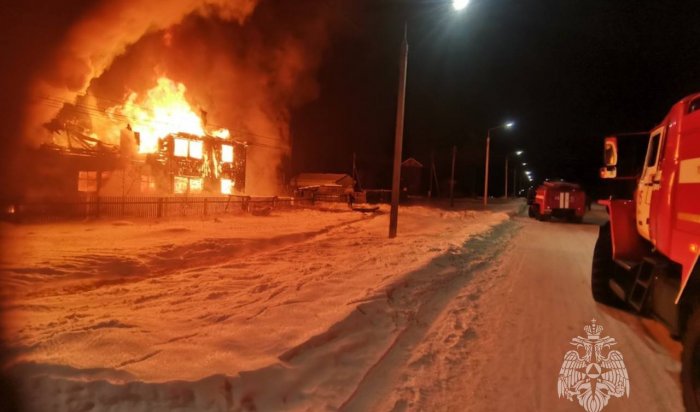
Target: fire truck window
{"type": "Point", "coordinates": [694, 105]}
{"type": "Point", "coordinates": [653, 149]}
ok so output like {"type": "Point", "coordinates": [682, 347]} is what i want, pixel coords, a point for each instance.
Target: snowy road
{"type": "Point", "coordinates": [499, 343]}
{"type": "Point", "coordinates": [464, 311]}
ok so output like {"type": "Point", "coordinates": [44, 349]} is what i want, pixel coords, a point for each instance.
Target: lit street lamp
{"type": "Point", "coordinates": [486, 167]}
{"type": "Point", "coordinates": [460, 5]}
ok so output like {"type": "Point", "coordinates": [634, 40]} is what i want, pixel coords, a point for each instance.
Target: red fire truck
{"type": "Point", "coordinates": [646, 255]}
{"type": "Point", "coordinates": [558, 199]}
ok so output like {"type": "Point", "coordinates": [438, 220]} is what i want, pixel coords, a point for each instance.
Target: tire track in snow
{"type": "Point", "coordinates": [465, 270]}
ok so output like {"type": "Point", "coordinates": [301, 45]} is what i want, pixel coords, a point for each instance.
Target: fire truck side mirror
{"type": "Point", "coordinates": [610, 152]}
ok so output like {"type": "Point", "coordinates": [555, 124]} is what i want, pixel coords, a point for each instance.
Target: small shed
{"type": "Point", "coordinates": [322, 183]}
{"type": "Point", "coordinates": [412, 177]}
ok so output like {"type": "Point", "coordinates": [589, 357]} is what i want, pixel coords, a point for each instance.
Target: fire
{"type": "Point", "coordinates": [162, 111]}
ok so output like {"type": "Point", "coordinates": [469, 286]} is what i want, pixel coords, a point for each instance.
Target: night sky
{"type": "Point", "coordinates": [567, 72]}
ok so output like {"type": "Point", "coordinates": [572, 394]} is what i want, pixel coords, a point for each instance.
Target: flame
{"type": "Point", "coordinates": [162, 111]}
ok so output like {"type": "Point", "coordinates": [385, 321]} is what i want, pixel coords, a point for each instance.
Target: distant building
{"type": "Point", "coordinates": [306, 184]}
{"type": "Point", "coordinates": [412, 177]}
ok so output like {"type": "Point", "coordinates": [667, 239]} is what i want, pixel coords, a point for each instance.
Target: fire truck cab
{"type": "Point", "coordinates": [558, 199]}
{"type": "Point", "coordinates": [646, 255]}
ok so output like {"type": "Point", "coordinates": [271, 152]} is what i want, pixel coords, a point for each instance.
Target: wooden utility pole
{"type": "Point", "coordinates": [506, 186]}
{"type": "Point", "coordinates": [486, 169]}
{"type": "Point", "coordinates": [452, 177]}
{"type": "Point", "coordinates": [430, 174]}
{"type": "Point", "coordinates": [398, 140]}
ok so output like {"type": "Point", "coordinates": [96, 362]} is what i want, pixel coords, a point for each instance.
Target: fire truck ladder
{"type": "Point", "coordinates": [640, 289]}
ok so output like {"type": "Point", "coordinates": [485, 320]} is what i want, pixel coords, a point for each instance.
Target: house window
{"type": "Point", "coordinates": [181, 146]}
{"type": "Point", "coordinates": [196, 149]}
{"type": "Point", "coordinates": [87, 181]}
{"type": "Point", "coordinates": [226, 153]}
{"type": "Point", "coordinates": [148, 184]}
{"type": "Point", "coordinates": [226, 186]}
{"type": "Point", "coordinates": [196, 184]}
{"type": "Point", "coordinates": [180, 184]}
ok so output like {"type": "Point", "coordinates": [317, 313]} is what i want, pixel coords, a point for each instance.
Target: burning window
{"type": "Point", "coordinates": [226, 186]}
{"type": "Point", "coordinates": [148, 184]}
{"type": "Point", "coordinates": [196, 185]}
{"type": "Point", "coordinates": [226, 153]}
{"type": "Point", "coordinates": [180, 184]}
{"type": "Point", "coordinates": [196, 149]}
{"type": "Point", "coordinates": [87, 181]}
{"type": "Point", "coordinates": [181, 147]}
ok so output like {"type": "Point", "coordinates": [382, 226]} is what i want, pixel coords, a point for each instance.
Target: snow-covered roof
{"type": "Point", "coordinates": [323, 179]}
{"type": "Point", "coordinates": [411, 162]}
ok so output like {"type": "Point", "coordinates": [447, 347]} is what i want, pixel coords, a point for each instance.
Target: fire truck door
{"type": "Point", "coordinates": [649, 182]}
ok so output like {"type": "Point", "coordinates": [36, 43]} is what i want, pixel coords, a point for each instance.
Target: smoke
{"type": "Point", "coordinates": [247, 65]}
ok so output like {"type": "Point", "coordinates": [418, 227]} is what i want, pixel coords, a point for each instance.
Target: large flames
{"type": "Point", "coordinates": [163, 110]}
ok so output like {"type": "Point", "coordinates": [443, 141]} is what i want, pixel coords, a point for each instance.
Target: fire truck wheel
{"type": "Point", "coordinates": [603, 268]}
{"type": "Point", "coordinates": [690, 373]}
{"type": "Point", "coordinates": [532, 211]}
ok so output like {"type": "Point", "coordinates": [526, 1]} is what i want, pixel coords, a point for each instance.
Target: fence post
{"type": "Point", "coordinates": [159, 208]}
{"type": "Point", "coordinates": [206, 200]}
{"type": "Point", "coordinates": [97, 206]}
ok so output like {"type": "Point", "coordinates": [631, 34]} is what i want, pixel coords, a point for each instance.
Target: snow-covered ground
{"type": "Point", "coordinates": [301, 310]}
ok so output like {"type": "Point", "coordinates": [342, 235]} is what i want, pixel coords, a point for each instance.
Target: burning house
{"type": "Point", "coordinates": [190, 164]}
{"type": "Point", "coordinates": [165, 149]}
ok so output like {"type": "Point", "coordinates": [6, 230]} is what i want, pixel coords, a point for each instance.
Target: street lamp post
{"type": "Point", "coordinates": [398, 141]}
{"type": "Point", "coordinates": [458, 5]}
{"type": "Point", "coordinates": [486, 167]}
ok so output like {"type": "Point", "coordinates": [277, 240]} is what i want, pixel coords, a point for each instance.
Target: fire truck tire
{"type": "Point", "coordinates": [531, 211]}
{"type": "Point", "coordinates": [603, 268]}
{"type": "Point", "coordinates": [690, 372]}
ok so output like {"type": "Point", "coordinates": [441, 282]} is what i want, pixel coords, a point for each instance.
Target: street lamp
{"type": "Point", "coordinates": [505, 192]}
{"type": "Point", "coordinates": [398, 137]}
{"type": "Point", "coordinates": [460, 5]}
{"type": "Point", "coordinates": [507, 125]}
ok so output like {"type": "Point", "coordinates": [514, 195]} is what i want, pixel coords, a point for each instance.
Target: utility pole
{"type": "Point", "coordinates": [506, 187]}
{"type": "Point", "coordinates": [486, 169]}
{"type": "Point", "coordinates": [430, 173]}
{"type": "Point", "coordinates": [398, 141]}
{"type": "Point", "coordinates": [515, 182]}
{"type": "Point", "coordinates": [355, 175]}
{"type": "Point", "coordinates": [452, 177]}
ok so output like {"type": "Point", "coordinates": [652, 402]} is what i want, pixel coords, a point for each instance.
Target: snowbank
{"type": "Point", "coordinates": [287, 311]}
